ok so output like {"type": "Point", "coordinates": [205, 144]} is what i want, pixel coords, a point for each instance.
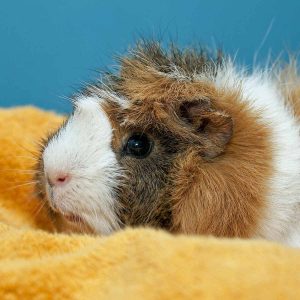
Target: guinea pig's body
{"type": "Point", "coordinates": [182, 142]}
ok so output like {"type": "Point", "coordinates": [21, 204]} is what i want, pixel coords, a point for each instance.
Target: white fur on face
{"type": "Point", "coordinates": [82, 148]}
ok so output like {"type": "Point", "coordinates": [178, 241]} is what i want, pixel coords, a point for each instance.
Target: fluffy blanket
{"type": "Point", "coordinates": [36, 263]}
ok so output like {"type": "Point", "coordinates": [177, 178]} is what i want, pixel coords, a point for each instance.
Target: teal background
{"type": "Point", "coordinates": [49, 48]}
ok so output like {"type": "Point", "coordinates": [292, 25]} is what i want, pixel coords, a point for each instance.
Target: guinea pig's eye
{"type": "Point", "coordinates": [138, 145]}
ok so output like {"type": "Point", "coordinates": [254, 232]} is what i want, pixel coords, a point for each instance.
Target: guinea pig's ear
{"type": "Point", "coordinates": [215, 127]}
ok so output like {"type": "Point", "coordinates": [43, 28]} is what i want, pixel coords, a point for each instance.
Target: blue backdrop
{"type": "Point", "coordinates": [49, 48]}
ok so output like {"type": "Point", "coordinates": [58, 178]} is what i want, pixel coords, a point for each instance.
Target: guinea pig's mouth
{"type": "Point", "coordinates": [70, 217]}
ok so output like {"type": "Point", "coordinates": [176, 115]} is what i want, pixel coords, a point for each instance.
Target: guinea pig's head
{"type": "Point", "coordinates": [145, 149]}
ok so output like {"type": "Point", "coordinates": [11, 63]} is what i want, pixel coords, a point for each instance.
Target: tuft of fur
{"type": "Point", "coordinates": [226, 155]}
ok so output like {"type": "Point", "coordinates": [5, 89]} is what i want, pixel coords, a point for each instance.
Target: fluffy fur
{"type": "Point", "coordinates": [82, 150]}
{"type": "Point", "coordinates": [226, 153]}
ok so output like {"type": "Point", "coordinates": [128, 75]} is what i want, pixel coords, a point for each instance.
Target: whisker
{"type": "Point", "coordinates": [27, 156]}
{"type": "Point", "coordinates": [33, 141]}
{"type": "Point", "coordinates": [33, 152]}
{"type": "Point", "coordinates": [25, 171]}
{"type": "Point", "coordinates": [39, 209]}
{"type": "Point", "coordinates": [21, 185]}
{"type": "Point", "coordinates": [69, 99]}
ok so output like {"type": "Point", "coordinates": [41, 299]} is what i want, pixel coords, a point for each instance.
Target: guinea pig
{"type": "Point", "coordinates": [181, 140]}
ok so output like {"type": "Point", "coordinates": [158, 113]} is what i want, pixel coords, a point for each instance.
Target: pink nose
{"type": "Point", "coordinates": [58, 179]}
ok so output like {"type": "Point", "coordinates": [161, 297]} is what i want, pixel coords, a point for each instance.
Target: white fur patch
{"type": "Point", "coordinates": [82, 148]}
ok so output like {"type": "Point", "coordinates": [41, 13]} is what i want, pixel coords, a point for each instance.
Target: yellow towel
{"type": "Point", "coordinates": [132, 264]}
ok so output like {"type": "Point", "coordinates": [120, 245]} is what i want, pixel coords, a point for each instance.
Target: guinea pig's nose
{"type": "Point", "coordinates": [58, 179]}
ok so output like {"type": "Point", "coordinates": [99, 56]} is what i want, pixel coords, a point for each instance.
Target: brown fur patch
{"type": "Point", "coordinates": [223, 196]}
{"type": "Point", "coordinates": [144, 180]}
